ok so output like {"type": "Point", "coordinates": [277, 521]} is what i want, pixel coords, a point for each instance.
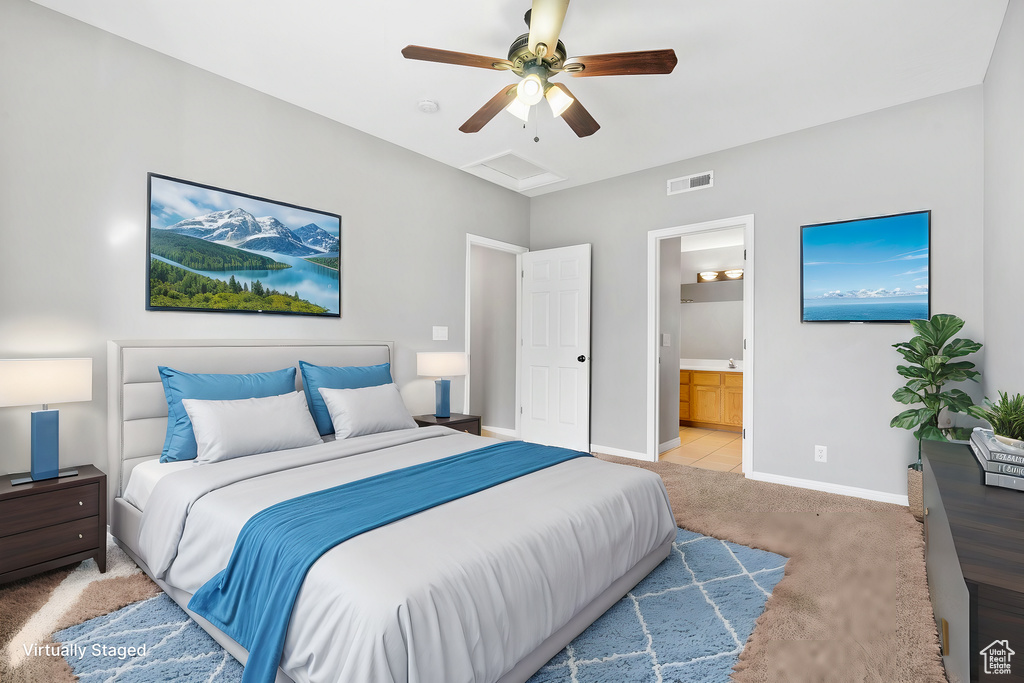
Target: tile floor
{"type": "Point", "coordinates": [708, 449]}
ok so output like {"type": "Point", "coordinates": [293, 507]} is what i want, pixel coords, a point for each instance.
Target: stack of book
{"type": "Point", "coordinates": [1003, 465]}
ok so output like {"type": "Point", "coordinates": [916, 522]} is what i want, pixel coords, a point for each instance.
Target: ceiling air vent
{"type": "Point", "coordinates": [513, 171]}
{"type": "Point", "coordinates": [697, 181]}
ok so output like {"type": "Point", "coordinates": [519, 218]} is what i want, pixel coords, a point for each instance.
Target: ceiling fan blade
{"type": "Point", "coordinates": [489, 110]}
{"type": "Point", "coordinates": [546, 19]}
{"type": "Point", "coordinates": [624, 63]}
{"type": "Point", "coordinates": [429, 54]}
{"type": "Point", "coordinates": [578, 118]}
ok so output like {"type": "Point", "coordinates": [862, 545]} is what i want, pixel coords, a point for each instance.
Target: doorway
{"type": "Point", "coordinates": [493, 303]}
{"type": "Point", "coordinates": [725, 406]}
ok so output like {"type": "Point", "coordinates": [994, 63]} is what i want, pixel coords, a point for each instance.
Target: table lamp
{"type": "Point", "coordinates": [441, 365]}
{"type": "Point", "coordinates": [25, 382]}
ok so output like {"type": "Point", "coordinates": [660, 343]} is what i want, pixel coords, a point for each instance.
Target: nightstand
{"type": "Point", "coordinates": [48, 524]}
{"type": "Point", "coordinates": [462, 423]}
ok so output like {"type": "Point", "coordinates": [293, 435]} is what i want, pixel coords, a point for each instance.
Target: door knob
{"type": "Point", "coordinates": [581, 358]}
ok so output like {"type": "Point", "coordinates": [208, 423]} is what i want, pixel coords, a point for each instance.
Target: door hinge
{"type": "Point", "coordinates": [744, 344]}
{"type": "Point", "coordinates": [744, 433]}
{"type": "Point", "coordinates": [744, 254]}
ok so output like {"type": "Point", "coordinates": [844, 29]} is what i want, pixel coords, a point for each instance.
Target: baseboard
{"type": "Point", "coordinates": [868, 494]}
{"type": "Point", "coordinates": [501, 432]}
{"type": "Point", "coordinates": [669, 445]}
{"type": "Point", "coordinates": [619, 452]}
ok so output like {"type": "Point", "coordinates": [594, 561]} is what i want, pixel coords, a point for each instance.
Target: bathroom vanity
{"type": "Point", "coordinates": [711, 395]}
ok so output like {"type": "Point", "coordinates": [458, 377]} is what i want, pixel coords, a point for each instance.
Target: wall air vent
{"type": "Point", "coordinates": [697, 181]}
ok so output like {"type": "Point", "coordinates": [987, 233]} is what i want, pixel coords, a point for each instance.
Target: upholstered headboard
{"type": "Point", "coordinates": [137, 408]}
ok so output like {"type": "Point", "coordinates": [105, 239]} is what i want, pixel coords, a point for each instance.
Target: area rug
{"type": "Point", "coordinates": [853, 604]}
{"type": "Point", "coordinates": [687, 621]}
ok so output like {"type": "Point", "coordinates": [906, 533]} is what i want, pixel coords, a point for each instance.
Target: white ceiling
{"type": "Point", "coordinates": [748, 69]}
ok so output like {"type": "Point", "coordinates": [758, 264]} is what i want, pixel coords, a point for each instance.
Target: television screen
{"type": "Point", "coordinates": [866, 270]}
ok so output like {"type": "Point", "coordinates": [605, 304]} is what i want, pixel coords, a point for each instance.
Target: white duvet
{"type": "Point", "coordinates": [458, 593]}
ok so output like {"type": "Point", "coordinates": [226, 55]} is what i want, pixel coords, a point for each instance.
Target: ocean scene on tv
{"type": "Point", "coordinates": [212, 249]}
{"type": "Point", "coordinates": [874, 269]}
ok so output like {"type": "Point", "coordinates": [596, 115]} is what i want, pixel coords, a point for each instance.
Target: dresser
{"type": "Point", "coordinates": [49, 524]}
{"type": "Point", "coordinates": [974, 550]}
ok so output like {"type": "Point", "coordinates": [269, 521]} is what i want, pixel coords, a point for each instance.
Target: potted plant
{"type": "Point", "coordinates": [1006, 417]}
{"type": "Point", "coordinates": [930, 367]}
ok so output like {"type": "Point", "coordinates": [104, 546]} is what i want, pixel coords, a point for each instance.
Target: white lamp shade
{"type": "Point", "coordinates": [437, 364]}
{"type": "Point", "coordinates": [519, 110]}
{"type": "Point", "coordinates": [41, 381]}
{"type": "Point", "coordinates": [530, 90]}
{"type": "Point", "coordinates": [558, 100]}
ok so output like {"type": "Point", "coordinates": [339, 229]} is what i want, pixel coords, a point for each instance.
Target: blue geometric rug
{"type": "Point", "coordinates": [687, 621]}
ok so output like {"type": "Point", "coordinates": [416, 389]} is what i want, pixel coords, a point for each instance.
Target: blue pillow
{"type": "Point", "coordinates": [315, 377]}
{"type": "Point", "coordinates": [180, 443]}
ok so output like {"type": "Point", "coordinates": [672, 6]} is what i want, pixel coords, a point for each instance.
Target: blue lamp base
{"type": "Point", "coordinates": [45, 448]}
{"type": "Point", "coordinates": [442, 398]}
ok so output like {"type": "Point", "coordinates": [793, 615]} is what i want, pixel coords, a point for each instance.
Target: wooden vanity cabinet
{"type": "Point", "coordinates": [684, 395]}
{"type": "Point", "coordinates": [709, 399]}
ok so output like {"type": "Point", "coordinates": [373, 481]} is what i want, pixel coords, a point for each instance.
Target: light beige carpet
{"type": "Point", "coordinates": [853, 605]}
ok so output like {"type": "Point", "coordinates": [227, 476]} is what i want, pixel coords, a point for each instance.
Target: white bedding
{"type": "Point", "coordinates": [145, 476]}
{"type": "Point", "coordinates": [458, 593]}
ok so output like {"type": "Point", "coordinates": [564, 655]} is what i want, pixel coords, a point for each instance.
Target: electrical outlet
{"type": "Point", "coordinates": [820, 454]}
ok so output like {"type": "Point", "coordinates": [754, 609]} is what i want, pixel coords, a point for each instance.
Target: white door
{"type": "Point", "coordinates": [556, 347]}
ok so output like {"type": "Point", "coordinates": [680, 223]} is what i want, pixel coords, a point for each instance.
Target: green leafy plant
{"type": "Point", "coordinates": [930, 355]}
{"type": "Point", "coordinates": [1006, 415]}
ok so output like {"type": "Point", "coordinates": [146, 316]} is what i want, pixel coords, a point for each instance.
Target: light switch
{"type": "Point", "coordinates": [666, 339]}
{"type": "Point", "coordinates": [440, 333]}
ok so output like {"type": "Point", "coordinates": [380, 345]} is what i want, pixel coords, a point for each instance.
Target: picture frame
{"type": "Point", "coordinates": [866, 270]}
{"type": "Point", "coordinates": [216, 250]}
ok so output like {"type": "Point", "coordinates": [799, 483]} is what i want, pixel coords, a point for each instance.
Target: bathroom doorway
{"type": "Point", "coordinates": [700, 337]}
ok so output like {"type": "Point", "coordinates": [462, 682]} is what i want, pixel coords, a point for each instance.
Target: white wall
{"type": "Point", "coordinates": [493, 320]}
{"type": "Point", "coordinates": [668, 356]}
{"type": "Point", "coordinates": [816, 384]}
{"type": "Point", "coordinates": [710, 329]}
{"type": "Point", "coordinates": [84, 116]}
{"type": "Point", "coordinates": [1004, 209]}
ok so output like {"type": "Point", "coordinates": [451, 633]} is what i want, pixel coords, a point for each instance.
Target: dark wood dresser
{"type": "Point", "coordinates": [974, 550]}
{"type": "Point", "coordinates": [48, 524]}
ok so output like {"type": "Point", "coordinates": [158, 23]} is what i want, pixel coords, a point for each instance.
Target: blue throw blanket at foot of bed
{"type": "Point", "coordinates": [252, 599]}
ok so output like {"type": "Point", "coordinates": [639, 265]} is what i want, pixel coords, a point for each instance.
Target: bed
{"type": "Point", "coordinates": [487, 587]}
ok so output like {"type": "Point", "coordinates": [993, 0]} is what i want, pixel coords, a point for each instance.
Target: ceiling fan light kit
{"type": "Point", "coordinates": [531, 58]}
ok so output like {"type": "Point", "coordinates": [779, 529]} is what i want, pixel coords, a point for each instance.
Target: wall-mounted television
{"type": "Point", "coordinates": [866, 270]}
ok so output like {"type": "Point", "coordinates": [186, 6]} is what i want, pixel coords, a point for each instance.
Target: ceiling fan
{"type": "Point", "coordinates": [537, 56]}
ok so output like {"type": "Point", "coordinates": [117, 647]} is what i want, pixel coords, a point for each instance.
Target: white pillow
{"type": "Point", "coordinates": [369, 410]}
{"type": "Point", "coordinates": [231, 429]}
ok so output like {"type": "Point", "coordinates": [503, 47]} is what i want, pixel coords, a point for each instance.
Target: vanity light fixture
{"type": "Point", "coordinates": [720, 275]}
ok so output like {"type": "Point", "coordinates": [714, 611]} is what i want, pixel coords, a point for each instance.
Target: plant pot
{"type": "Point", "coordinates": [1012, 443]}
{"type": "Point", "coordinates": [915, 493]}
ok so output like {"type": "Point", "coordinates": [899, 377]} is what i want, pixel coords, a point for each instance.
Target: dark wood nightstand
{"type": "Point", "coordinates": [462, 423]}
{"type": "Point", "coordinates": [48, 524]}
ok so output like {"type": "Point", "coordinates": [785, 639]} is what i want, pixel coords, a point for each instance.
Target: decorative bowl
{"type": "Point", "coordinates": [1013, 443]}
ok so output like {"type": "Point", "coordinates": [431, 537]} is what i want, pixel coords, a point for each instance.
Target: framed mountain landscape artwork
{"type": "Point", "coordinates": [216, 250]}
